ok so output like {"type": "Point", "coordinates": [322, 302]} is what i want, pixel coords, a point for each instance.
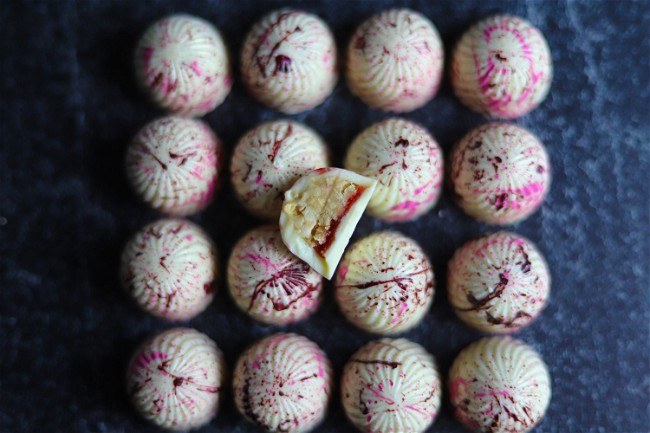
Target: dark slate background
{"type": "Point", "coordinates": [69, 107]}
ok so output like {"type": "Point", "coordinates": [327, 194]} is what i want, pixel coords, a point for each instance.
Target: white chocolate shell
{"type": "Point", "coordinates": [498, 283]}
{"type": "Point", "coordinates": [269, 159]}
{"type": "Point", "coordinates": [282, 383]}
{"type": "Point", "coordinates": [500, 385]}
{"type": "Point", "coordinates": [268, 282]}
{"type": "Point", "coordinates": [173, 163]}
{"type": "Point", "coordinates": [500, 173]}
{"type": "Point", "coordinates": [391, 385]}
{"type": "Point", "coordinates": [169, 268]}
{"type": "Point", "coordinates": [502, 67]}
{"type": "Point", "coordinates": [320, 213]}
{"type": "Point", "coordinates": [289, 61]}
{"type": "Point", "coordinates": [395, 61]}
{"type": "Point", "coordinates": [407, 163]}
{"type": "Point", "coordinates": [175, 379]}
{"type": "Point", "coordinates": [183, 65]}
{"type": "Point", "coordinates": [385, 283]}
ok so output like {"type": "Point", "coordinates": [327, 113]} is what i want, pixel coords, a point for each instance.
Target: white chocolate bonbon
{"type": "Point", "coordinates": [173, 165]}
{"type": "Point", "coordinates": [282, 383]}
{"type": "Point", "coordinates": [407, 163]}
{"type": "Point", "coordinates": [502, 67]}
{"type": "Point", "coordinates": [269, 159]}
{"type": "Point", "coordinates": [395, 61]}
{"type": "Point", "coordinates": [391, 385]}
{"type": "Point", "coordinates": [175, 379]}
{"type": "Point", "coordinates": [169, 268]}
{"type": "Point", "coordinates": [500, 173]}
{"type": "Point", "coordinates": [499, 384]}
{"type": "Point", "coordinates": [268, 282]}
{"type": "Point", "coordinates": [183, 65]}
{"type": "Point", "coordinates": [385, 283]}
{"type": "Point", "coordinates": [498, 283]}
{"type": "Point", "coordinates": [289, 61]}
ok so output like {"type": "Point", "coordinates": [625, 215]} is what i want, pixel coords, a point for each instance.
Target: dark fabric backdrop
{"type": "Point", "coordinates": [69, 107]}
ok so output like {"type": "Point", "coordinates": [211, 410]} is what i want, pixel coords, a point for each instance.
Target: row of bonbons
{"type": "Point", "coordinates": [499, 173]}
{"type": "Point", "coordinates": [384, 284]}
{"type": "Point", "coordinates": [284, 383]}
{"type": "Point", "coordinates": [500, 67]}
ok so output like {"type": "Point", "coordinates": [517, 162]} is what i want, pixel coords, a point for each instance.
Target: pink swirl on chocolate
{"type": "Point", "coordinates": [502, 67]}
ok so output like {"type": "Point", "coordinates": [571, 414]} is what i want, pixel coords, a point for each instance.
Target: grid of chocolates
{"type": "Point", "coordinates": [499, 173]}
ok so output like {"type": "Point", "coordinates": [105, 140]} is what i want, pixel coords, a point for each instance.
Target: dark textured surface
{"type": "Point", "coordinates": [68, 107]}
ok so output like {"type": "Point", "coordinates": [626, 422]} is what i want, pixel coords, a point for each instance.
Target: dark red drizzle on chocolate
{"type": "Point", "coordinates": [362, 404]}
{"type": "Point", "coordinates": [390, 364]}
{"type": "Point", "coordinates": [396, 280]}
{"type": "Point", "coordinates": [148, 151]}
{"type": "Point", "coordinates": [208, 287]}
{"type": "Point", "coordinates": [247, 403]}
{"type": "Point", "coordinates": [282, 64]}
{"type": "Point", "coordinates": [402, 142]}
{"type": "Point", "coordinates": [183, 156]}
{"type": "Point", "coordinates": [525, 265]}
{"type": "Point", "coordinates": [293, 278]}
{"type": "Point", "coordinates": [500, 201]}
{"type": "Point", "coordinates": [313, 376]}
{"type": "Point", "coordinates": [170, 298]}
{"type": "Point", "coordinates": [385, 166]}
{"type": "Point", "coordinates": [278, 143]}
{"type": "Point", "coordinates": [157, 79]}
{"type": "Point", "coordinates": [260, 60]}
{"type": "Point", "coordinates": [263, 37]}
{"type": "Point", "coordinates": [162, 263]}
{"type": "Point", "coordinates": [508, 324]}
{"type": "Point", "coordinates": [477, 304]}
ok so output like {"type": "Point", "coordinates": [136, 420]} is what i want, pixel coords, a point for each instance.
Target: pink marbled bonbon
{"type": "Point", "coordinates": [500, 385]}
{"type": "Point", "coordinates": [391, 385]}
{"type": "Point", "coordinates": [498, 283]}
{"type": "Point", "coordinates": [174, 379]}
{"type": "Point", "coordinates": [407, 163]}
{"type": "Point", "coordinates": [169, 268]}
{"type": "Point", "coordinates": [395, 61]}
{"type": "Point", "coordinates": [269, 283]}
{"type": "Point", "coordinates": [502, 67]}
{"type": "Point", "coordinates": [385, 283]}
{"type": "Point", "coordinates": [500, 173]}
{"type": "Point", "coordinates": [289, 61]}
{"type": "Point", "coordinates": [269, 159]}
{"type": "Point", "coordinates": [282, 383]}
{"type": "Point", "coordinates": [182, 63]}
{"type": "Point", "coordinates": [173, 165]}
